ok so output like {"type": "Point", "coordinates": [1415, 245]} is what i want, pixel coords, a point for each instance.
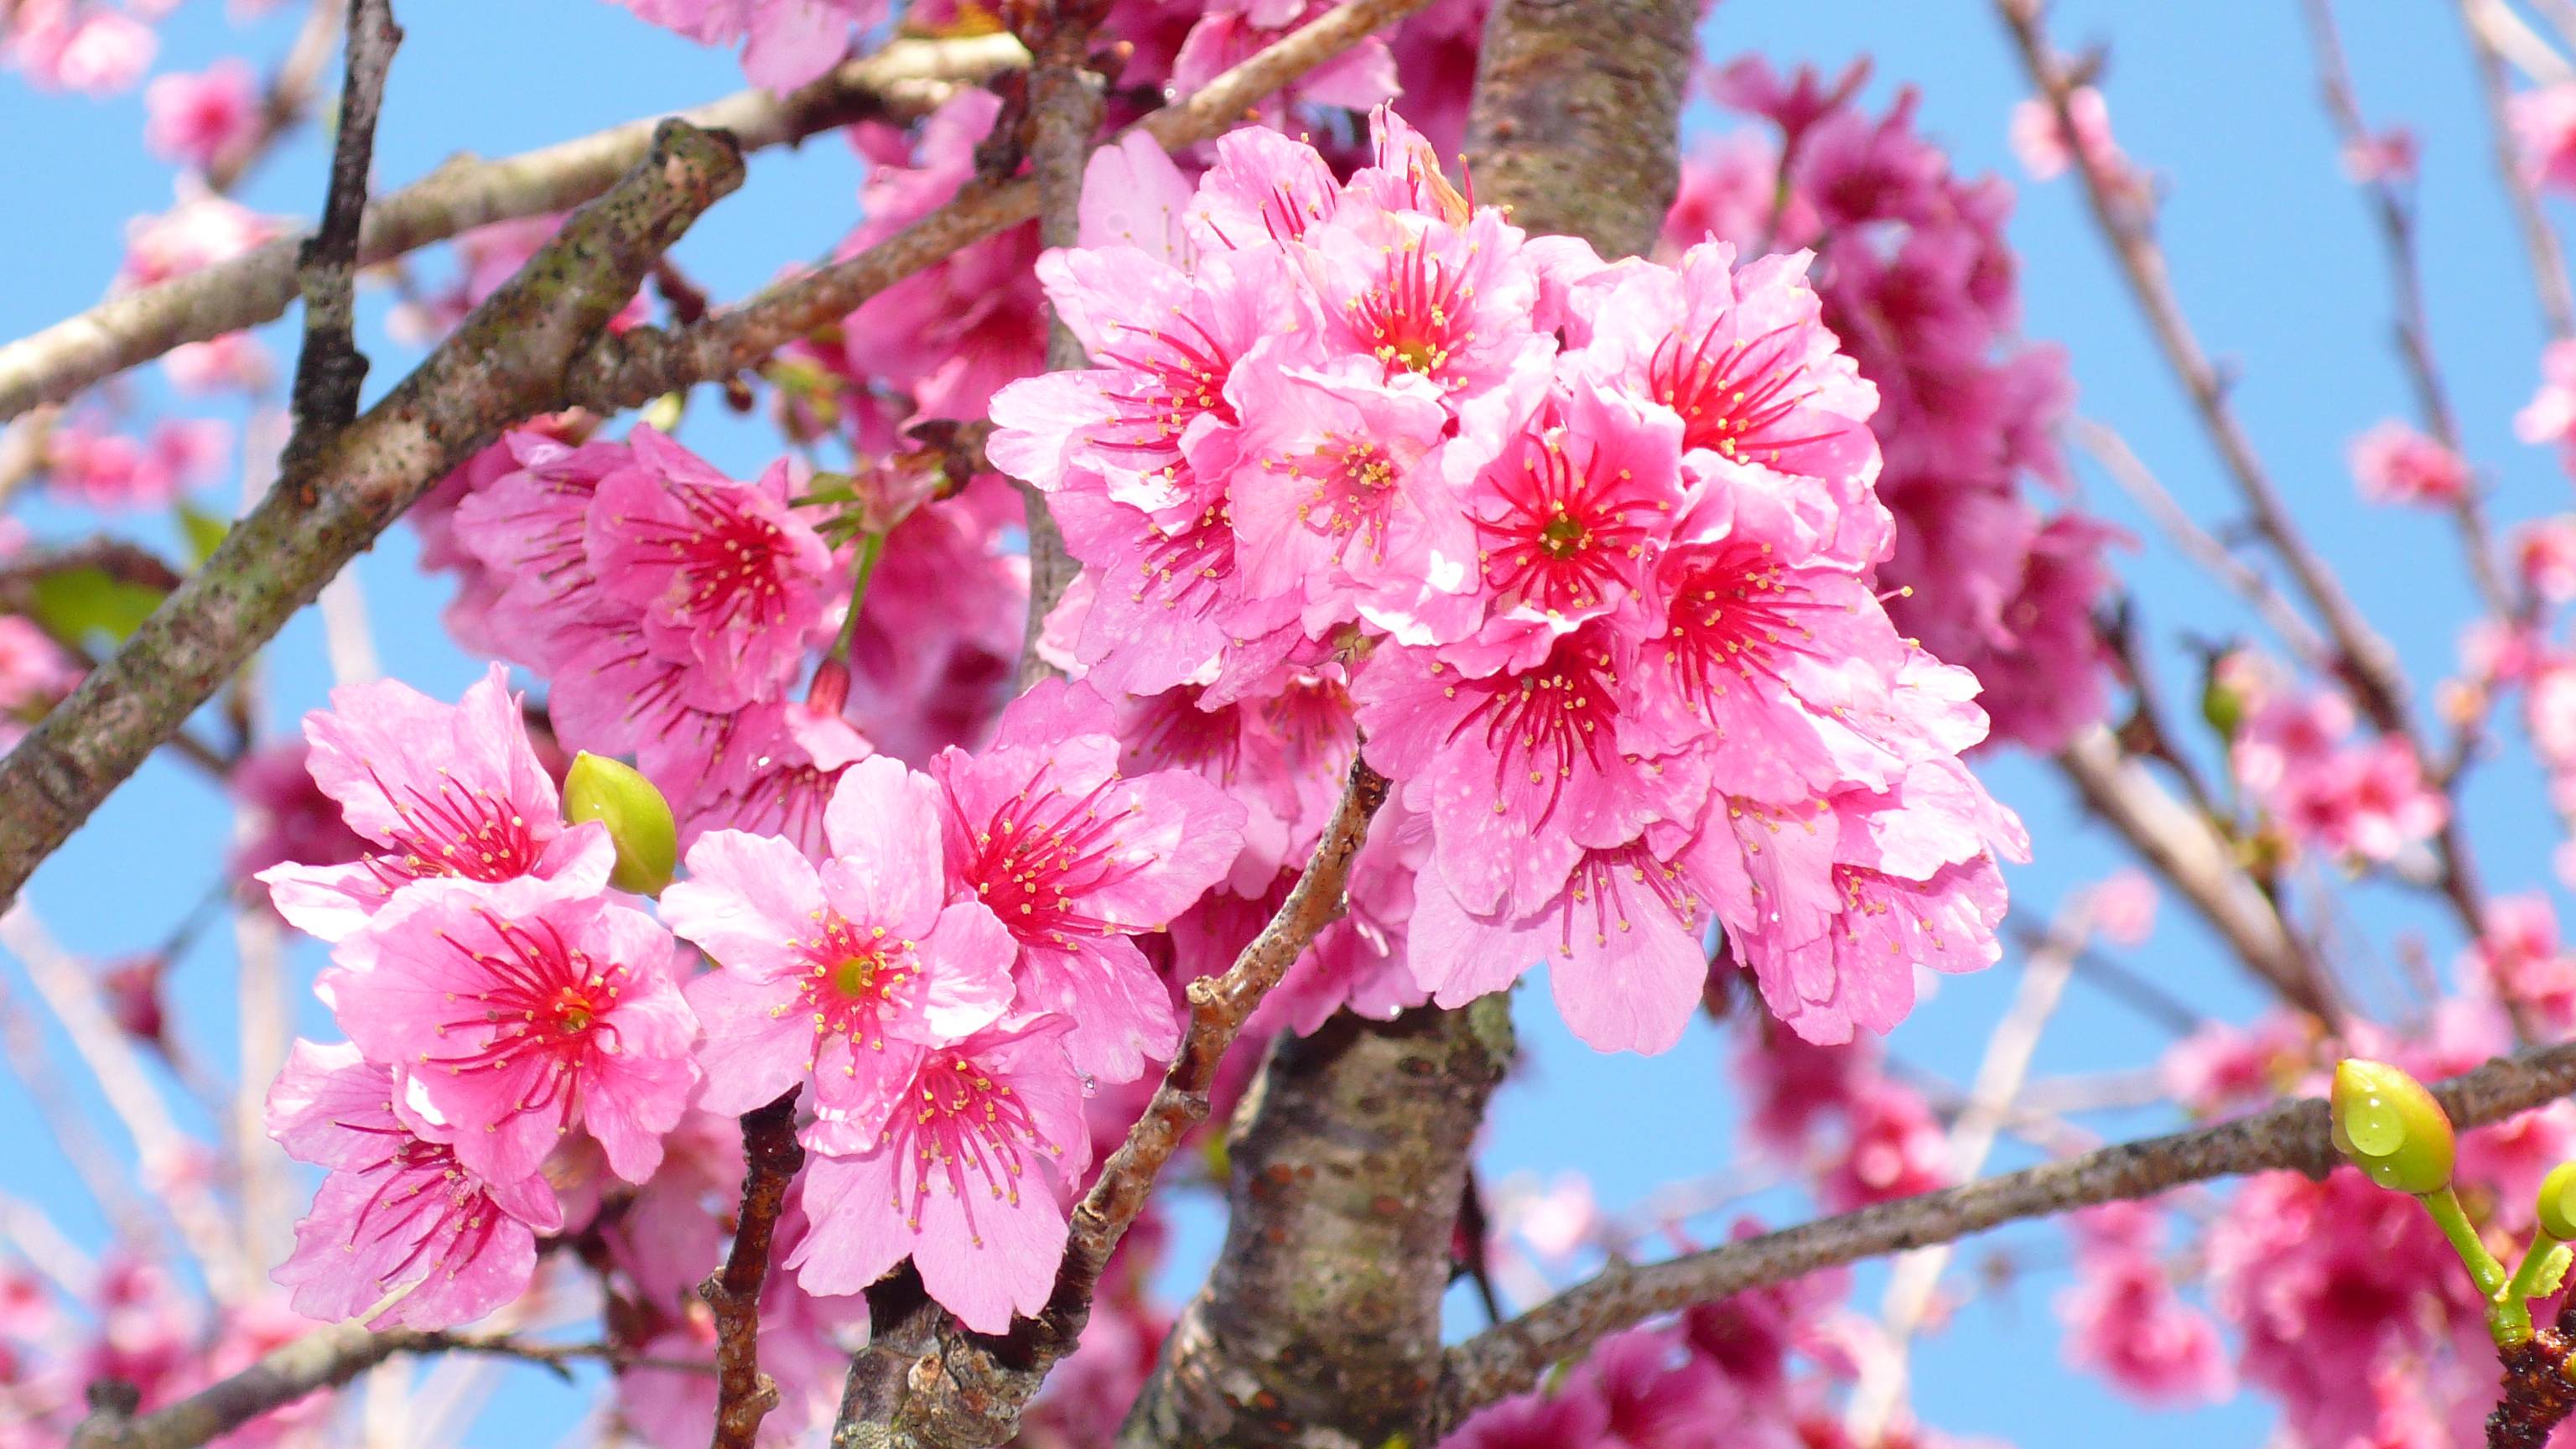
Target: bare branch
{"type": "Point", "coordinates": [907, 78]}
{"type": "Point", "coordinates": [2293, 1136]}
{"type": "Point", "coordinates": [330, 369]}
{"type": "Point", "coordinates": [771, 1157]}
{"type": "Point", "coordinates": [2395, 214]}
{"type": "Point", "coordinates": [642, 364]}
{"type": "Point", "coordinates": [2188, 853]}
{"type": "Point", "coordinates": [505, 363]}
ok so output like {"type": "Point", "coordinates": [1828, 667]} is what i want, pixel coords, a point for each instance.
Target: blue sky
{"type": "Point", "coordinates": [2269, 247]}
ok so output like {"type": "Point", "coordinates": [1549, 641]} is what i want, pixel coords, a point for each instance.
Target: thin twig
{"type": "Point", "coordinates": [771, 1157]}
{"type": "Point", "coordinates": [2395, 213]}
{"type": "Point", "coordinates": [2293, 1137]}
{"type": "Point", "coordinates": [2539, 239]}
{"type": "Point", "coordinates": [330, 369]}
{"type": "Point", "coordinates": [1992, 1097]}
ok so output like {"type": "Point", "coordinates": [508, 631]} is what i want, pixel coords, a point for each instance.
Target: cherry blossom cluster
{"type": "Point", "coordinates": [1589, 547]}
{"type": "Point", "coordinates": [1917, 282]}
{"type": "Point", "coordinates": [2292, 749]}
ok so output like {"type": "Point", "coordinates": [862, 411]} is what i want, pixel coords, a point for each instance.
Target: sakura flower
{"type": "Point", "coordinates": [847, 974]}
{"type": "Point", "coordinates": [521, 1013]}
{"type": "Point", "coordinates": [399, 1213]}
{"type": "Point", "coordinates": [2396, 464]}
{"type": "Point", "coordinates": [1522, 770]}
{"type": "Point", "coordinates": [966, 1178]}
{"type": "Point", "coordinates": [523, 521]}
{"type": "Point", "coordinates": [2125, 1321]}
{"type": "Point", "coordinates": [195, 119]}
{"type": "Point", "coordinates": [785, 43]}
{"type": "Point", "coordinates": [1445, 301]}
{"type": "Point", "coordinates": [2544, 131]}
{"type": "Point", "coordinates": [2550, 416]}
{"type": "Point", "coordinates": [2544, 553]}
{"type": "Point", "coordinates": [443, 791]}
{"type": "Point", "coordinates": [96, 51]}
{"type": "Point", "coordinates": [1075, 858]}
{"type": "Point", "coordinates": [199, 231]}
{"type": "Point", "coordinates": [2518, 958]}
{"type": "Point", "coordinates": [1896, 1149]}
{"type": "Point", "coordinates": [2039, 135]}
{"type": "Point", "coordinates": [1233, 31]}
{"type": "Point", "coordinates": [723, 575]}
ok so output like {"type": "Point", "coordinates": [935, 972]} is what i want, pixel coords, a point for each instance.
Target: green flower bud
{"type": "Point", "coordinates": [2558, 1202]}
{"type": "Point", "coordinates": [637, 817]}
{"type": "Point", "coordinates": [2387, 1125]}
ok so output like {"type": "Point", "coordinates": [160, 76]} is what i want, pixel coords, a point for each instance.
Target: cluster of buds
{"type": "Point", "coordinates": [2389, 1126]}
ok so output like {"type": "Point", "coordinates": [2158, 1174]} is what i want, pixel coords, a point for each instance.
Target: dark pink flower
{"type": "Point", "coordinates": [193, 119]}
{"type": "Point", "coordinates": [2396, 464]}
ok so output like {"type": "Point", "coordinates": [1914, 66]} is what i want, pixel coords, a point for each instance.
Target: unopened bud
{"type": "Point", "coordinates": [2387, 1125]}
{"type": "Point", "coordinates": [2558, 1202]}
{"type": "Point", "coordinates": [637, 817]}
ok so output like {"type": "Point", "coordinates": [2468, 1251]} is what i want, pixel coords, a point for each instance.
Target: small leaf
{"type": "Point", "coordinates": [203, 530]}
{"type": "Point", "coordinates": [79, 604]}
{"type": "Point", "coordinates": [2552, 1272]}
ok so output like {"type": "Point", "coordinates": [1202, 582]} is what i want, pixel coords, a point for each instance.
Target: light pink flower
{"type": "Point", "coordinates": [2518, 959]}
{"type": "Point", "coordinates": [967, 1180]}
{"type": "Point", "coordinates": [193, 119]}
{"type": "Point", "coordinates": [2396, 464]}
{"type": "Point", "coordinates": [444, 790]}
{"type": "Point", "coordinates": [2125, 1321]}
{"type": "Point", "coordinates": [785, 43]}
{"type": "Point", "coordinates": [521, 1013]}
{"type": "Point", "coordinates": [197, 232]}
{"type": "Point", "coordinates": [2039, 139]}
{"type": "Point", "coordinates": [1896, 1149]}
{"type": "Point", "coordinates": [96, 50]}
{"type": "Point", "coordinates": [398, 1211]}
{"type": "Point", "coordinates": [1075, 858]}
{"type": "Point", "coordinates": [847, 975]}
{"type": "Point", "coordinates": [2550, 416]}
{"type": "Point", "coordinates": [2544, 130]}
{"type": "Point", "coordinates": [2544, 553]}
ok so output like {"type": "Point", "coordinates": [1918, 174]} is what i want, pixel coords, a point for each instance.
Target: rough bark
{"type": "Point", "coordinates": [1320, 1327]}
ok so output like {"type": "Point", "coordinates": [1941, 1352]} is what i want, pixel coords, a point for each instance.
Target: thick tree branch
{"type": "Point", "coordinates": [329, 370]}
{"type": "Point", "coordinates": [771, 1157]}
{"type": "Point", "coordinates": [505, 363]}
{"type": "Point", "coordinates": [2293, 1136]}
{"type": "Point", "coordinates": [969, 1393]}
{"type": "Point", "coordinates": [638, 366]}
{"type": "Point", "coordinates": [905, 79]}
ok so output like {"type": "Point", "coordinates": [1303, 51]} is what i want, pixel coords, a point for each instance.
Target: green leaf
{"type": "Point", "coordinates": [203, 530]}
{"type": "Point", "coordinates": [78, 604]}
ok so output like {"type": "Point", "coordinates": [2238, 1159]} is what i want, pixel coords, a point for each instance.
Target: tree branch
{"type": "Point", "coordinates": [324, 1359]}
{"type": "Point", "coordinates": [329, 370]}
{"type": "Point", "coordinates": [2539, 239]}
{"type": "Point", "coordinates": [971, 1391]}
{"type": "Point", "coordinates": [1064, 111]}
{"type": "Point", "coordinates": [771, 1157]}
{"type": "Point", "coordinates": [637, 366]}
{"type": "Point", "coordinates": [505, 363]}
{"type": "Point", "coordinates": [907, 78]}
{"type": "Point", "coordinates": [2294, 1136]}
{"type": "Point", "coordinates": [285, 100]}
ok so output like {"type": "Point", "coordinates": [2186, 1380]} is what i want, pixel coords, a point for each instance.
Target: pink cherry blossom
{"type": "Point", "coordinates": [524, 1012]}
{"type": "Point", "coordinates": [194, 119]}
{"type": "Point", "coordinates": [399, 1212]}
{"type": "Point", "coordinates": [2125, 1321]}
{"type": "Point", "coordinates": [2544, 553]}
{"type": "Point", "coordinates": [2544, 130]}
{"type": "Point", "coordinates": [2518, 959]}
{"type": "Point", "coordinates": [1896, 1149]}
{"type": "Point", "coordinates": [2396, 464]}
{"type": "Point", "coordinates": [96, 50]}
{"type": "Point", "coordinates": [2039, 135]}
{"type": "Point", "coordinates": [847, 974]}
{"type": "Point", "coordinates": [966, 1179]}
{"type": "Point", "coordinates": [443, 791]}
{"type": "Point", "coordinates": [200, 230]}
{"type": "Point", "coordinates": [2550, 416]}
{"type": "Point", "coordinates": [1075, 858]}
